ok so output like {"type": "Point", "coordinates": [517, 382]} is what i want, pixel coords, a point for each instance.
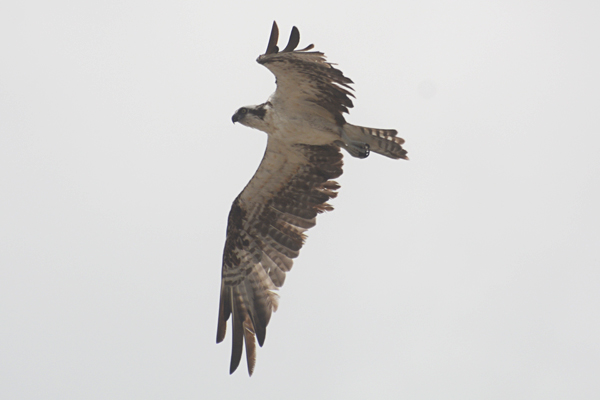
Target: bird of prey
{"type": "Point", "coordinates": [306, 130]}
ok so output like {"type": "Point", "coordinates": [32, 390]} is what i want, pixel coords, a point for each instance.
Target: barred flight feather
{"type": "Point", "coordinates": [262, 239]}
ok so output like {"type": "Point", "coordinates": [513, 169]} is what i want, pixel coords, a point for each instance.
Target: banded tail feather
{"type": "Point", "coordinates": [382, 141]}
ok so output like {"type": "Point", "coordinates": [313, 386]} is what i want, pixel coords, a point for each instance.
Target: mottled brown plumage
{"type": "Point", "coordinates": [293, 184]}
{"type": "Point", "coordinates": [266, 231]}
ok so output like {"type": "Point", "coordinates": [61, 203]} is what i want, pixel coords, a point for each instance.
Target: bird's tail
{"type": "Point", "coordinates": [382, 141]}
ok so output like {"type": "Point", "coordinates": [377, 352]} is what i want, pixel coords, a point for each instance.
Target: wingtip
{"type": "Point", "coordinates": [232, 369]}
{"type": "Point", "coordinates": [249, 340]}
{"type": "Point", "coordinates": [272, 45]}
{"type": "Point", "coordinates": [221, 326]}
{"type": "Point", "coordinates": [293, 42]}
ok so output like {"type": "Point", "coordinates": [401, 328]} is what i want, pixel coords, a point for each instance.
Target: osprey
{"type": "Point", "coordinates": [306, 130]}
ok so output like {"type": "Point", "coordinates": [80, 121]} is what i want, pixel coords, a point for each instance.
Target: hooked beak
{"type": "Point", "coordinates": [235, 118]}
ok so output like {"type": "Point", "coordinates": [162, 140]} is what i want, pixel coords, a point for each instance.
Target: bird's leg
{"type": "Point", "coordinates": [354, 147]}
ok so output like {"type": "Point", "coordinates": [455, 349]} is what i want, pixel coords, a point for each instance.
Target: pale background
{"type": "Point", "coordinates": [469, 272]}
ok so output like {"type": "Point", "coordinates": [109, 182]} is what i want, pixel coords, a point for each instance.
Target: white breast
{"type": "Point", "coordinates": [302, 123]}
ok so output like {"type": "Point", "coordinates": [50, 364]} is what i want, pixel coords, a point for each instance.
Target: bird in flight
{"type": "Point", "coordinates": [306, 130]}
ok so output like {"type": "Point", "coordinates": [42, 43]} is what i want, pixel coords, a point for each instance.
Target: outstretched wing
{"type": "Point", "coordinates": [306, 77]}
{"type": "Point", "coordinates": [265, 232]}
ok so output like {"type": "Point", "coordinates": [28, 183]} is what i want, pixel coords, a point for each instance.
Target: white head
{"type": "Point", "coordinates": [253, 116]}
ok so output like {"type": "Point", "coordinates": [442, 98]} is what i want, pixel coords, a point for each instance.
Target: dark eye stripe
{"type": "Point", "coordinates": [259, 112]}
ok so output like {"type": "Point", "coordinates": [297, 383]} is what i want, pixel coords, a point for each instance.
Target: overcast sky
{"type": "Point", "coordinates": [470, 272]}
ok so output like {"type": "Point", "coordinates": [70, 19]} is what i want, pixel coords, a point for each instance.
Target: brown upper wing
{"type": "Point", "coordinates": [266, 231]}
{"type": "Point", "coordinates": [306, 77]}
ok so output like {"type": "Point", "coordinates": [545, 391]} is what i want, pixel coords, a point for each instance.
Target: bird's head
{"type": "Point", "coordinates": [252, 116]}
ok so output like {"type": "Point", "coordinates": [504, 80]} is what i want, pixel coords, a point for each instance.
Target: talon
{"type": "Point", "coordinates": [354, 147]}
{"type": "Point", "coordinates": [365, 153]}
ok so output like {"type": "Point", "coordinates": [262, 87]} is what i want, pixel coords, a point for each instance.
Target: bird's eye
{"type": "Point", "coordinates": [243, 110]}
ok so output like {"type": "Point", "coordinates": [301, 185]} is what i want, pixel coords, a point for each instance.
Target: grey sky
{"type": "Point", "coordinates": [469, 272]}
